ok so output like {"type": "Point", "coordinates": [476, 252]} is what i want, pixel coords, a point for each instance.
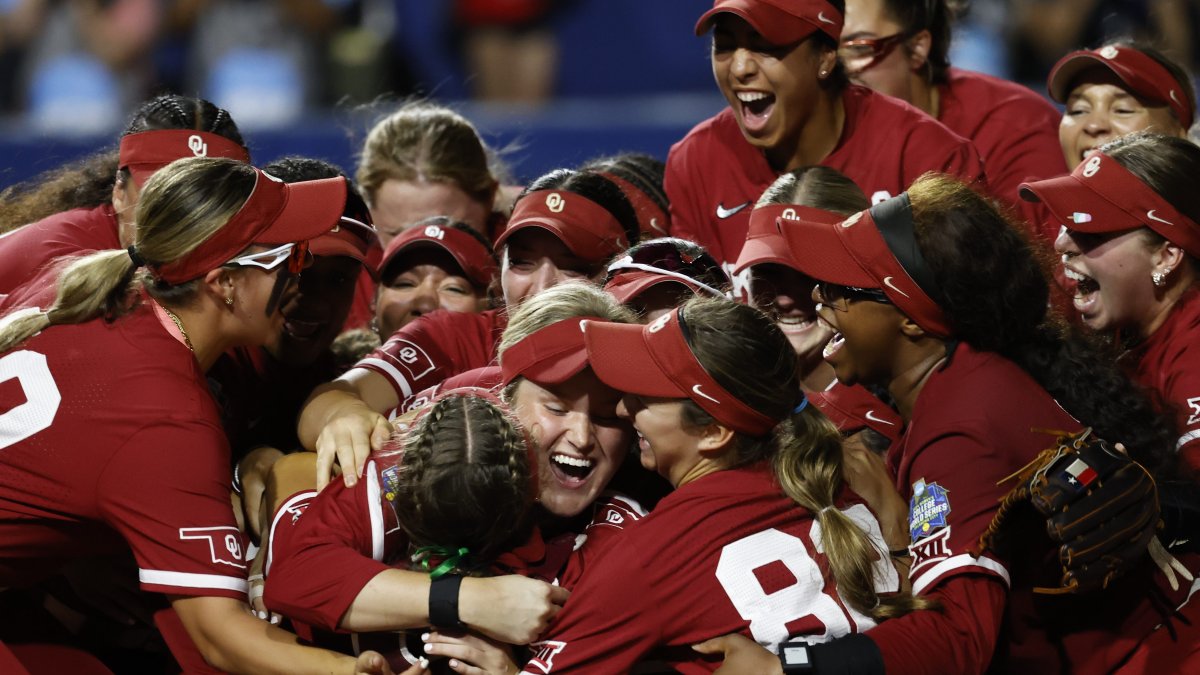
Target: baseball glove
{"type": "Point", "coordinates": [1100, 506]}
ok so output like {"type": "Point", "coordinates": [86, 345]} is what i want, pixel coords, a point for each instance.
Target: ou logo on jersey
{"type": "Point", "coordinates": [224, 543]}
{"type": "Point", "coordinates": [434, 232]}
{"type": "Point", "coordinates": [659, 323]}
{"type": "Point", "coordinates": [408, 355]}
{"type": "Point", "coordinates": [197, 145]}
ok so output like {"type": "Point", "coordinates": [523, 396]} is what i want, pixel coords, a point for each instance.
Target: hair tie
{"type": "Point", "coordinates": [803, 404]}
{"type": "Point", "coordinates": [452, 558]}
{"type": "Point", "coordinates": [138, 261]}
{"type": "Point", "coordinates": [831, 507]}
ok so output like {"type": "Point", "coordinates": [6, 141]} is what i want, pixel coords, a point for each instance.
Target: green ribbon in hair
{"type": "Point", "coordinates": [451, 558]}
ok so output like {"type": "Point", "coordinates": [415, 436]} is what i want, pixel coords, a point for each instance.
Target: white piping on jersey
{"type": "Point", "coordinates": [958, 562]}
{"type": "Point", "coordinates": [391, 371]}
{"type": "Point", "coordinates": [308, 494]}
{"type": "Point", "coordinates": [191, 580]}
{"type": "Point", "coordinates": [376, 511]}
{"type": "Point", "coordinates": [1187, 438]}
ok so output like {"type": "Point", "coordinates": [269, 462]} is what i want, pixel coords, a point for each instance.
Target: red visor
{"type": "Point", "coordinates": [1100, 195]}
{"type": "Point", "coordinates": [781, 22]}
{"type": "Point", "coordinates": [473, 258]}
{"type": "Point", "coordinates": [652, 220]}
{"type": "Point", "coordinates": [855, 408]}
{"type": "Point", "coordinates": [588, 229]}
{"type": "Point", "coordinates": [854, 253]}
{"type": "Point", "coordinates": [145, 152]}
{"type": "Point", "coordinates": [1144, 77]}
{"type": "Point", "coordinates": [551, 355]}
{"type": "Point", "coordinates": [349, 238]}
{"type": "Point", "coordinates": [655, 360]}
{"type": "Point", "coordinates": [275, 213]}
{"type": "Point", "coordinates": [764, 238]}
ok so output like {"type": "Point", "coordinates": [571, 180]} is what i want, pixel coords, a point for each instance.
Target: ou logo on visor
{"type": "Point", "coordinates": [197, 145]}
{"type": "Point", "coordinates": [659, 323]}
{"type": "Point", "coordinates": [555, 202]}
{"type": "Point", "coordinates": [1092, 166]}
{"type": "Point", "coordinates": [434, 232]}
{"type": "Point", "coordinates": [790, 214]}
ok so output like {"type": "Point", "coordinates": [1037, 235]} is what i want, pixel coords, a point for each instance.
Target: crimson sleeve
{"type": "Point", "coordinates": [323, 557]}
{"type": "Point", "coordinates": [413, 358]}
{"type": "Point", "coordinates": [1019, 144]}
{"type": "Point", "coordinates": [687, 219]}
{"type": "Point", "coordinates": [957, 638]}
{"type": "Point", "coordinates": [607, 625]}
{"type": "Point", "coordinates": [166, 491]}
{"type": "Point", "coordinates": [933, 147]}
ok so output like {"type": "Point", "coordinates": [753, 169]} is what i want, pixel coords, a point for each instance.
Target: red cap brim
{"type": "Point", "coordinates": [1077, 206]}
{"type": "Point", "coordinates": [627, 286]}
{"type": "Point", "coordinates": [854, 408]}
{"type": "Point", "coordinates": [819, 252]}
{"type": "Point", "coordinates": [620, 358]}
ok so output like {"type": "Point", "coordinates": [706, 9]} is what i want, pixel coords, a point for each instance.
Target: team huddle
{"type": "Point", "coordinates": [886, 369]}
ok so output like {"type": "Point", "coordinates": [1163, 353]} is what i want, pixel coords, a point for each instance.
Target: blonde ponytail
{"type": "Point", "coordinates": [180, 207]}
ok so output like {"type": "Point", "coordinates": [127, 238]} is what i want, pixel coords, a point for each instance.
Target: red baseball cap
{"type": "Point", "coordinates": [781, 22]}
{"type": "Point", "coordinates": [855, 252]}
{"type": "Point", "coordinates": [274, 213]}
{"type": "Point", "coordinates": [655, 360]}
{"type": "Point", "coordinates": [145, 152]}
{"type": "Point", "coordinates": [550, 355]}
{"type": "Point", "coordinates": [585, 227]}
{"type": "Point", "coordinates": [764, 238]}
{"type": "Point", "coordinates": [854, 408]}
{"type": "Point", "coordinates": [1144, 77]}
{"type": "Point", "coordinates": [1100, 195]}
{"type": "Point", "coordinates": [476, 261]}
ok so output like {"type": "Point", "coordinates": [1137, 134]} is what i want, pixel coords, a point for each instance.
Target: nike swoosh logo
{"type": "Point", "coordinates": [1175, 98]}
{"type": "Point", "coordinates": [871, 416]}
{"type": "Point", "coordinates": [696, 391]}
{"type": "Point", "coordinates": [887, 281]}
{"type": "Point", "coordinates": [723, 212]}
{"type": "Point", "coordinates": [1151, 216]}
{"type": "Point", "coordinates": [655, 226]}
{"type": "Point", "coordinates": [821, 17]}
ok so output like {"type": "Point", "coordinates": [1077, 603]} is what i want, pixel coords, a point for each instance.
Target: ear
{"type": "Point", "coordinates": [219, 283]}
{"type": "Point", "coordinates": [1167, 257]}
{"type": "Point", "coordinates": [715, 439]}
{"type": "Point", "coordinates": [910, 329]}
{"type": "Point", "coordinates": [826, 62]}
{"type": "Point", "coordinates": [918, 50]}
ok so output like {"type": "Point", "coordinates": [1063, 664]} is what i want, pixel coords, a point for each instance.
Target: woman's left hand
{"type": "Point", "coordinates": [471, 654]}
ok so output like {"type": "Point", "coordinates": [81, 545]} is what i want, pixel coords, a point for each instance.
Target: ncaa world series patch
{"type": "Point", "coordinates": [928, 508]}
{"type": "Point", "coordinates": [390, 480]}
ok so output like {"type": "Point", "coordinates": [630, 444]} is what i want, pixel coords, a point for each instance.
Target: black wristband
{"type": "Point", "coordinates": [854, 654]}
{"type": "Point", "coordinates": [443, 601]}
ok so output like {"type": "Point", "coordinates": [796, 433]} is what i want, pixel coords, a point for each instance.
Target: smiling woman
{"type": "Point", "coordinates": [790, 105]}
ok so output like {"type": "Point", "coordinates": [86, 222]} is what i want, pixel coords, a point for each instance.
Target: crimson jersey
{"type": "Point", "coordinates": [25, 251]}
{"type": "Point", "coordinates": [1168, 363]}
{"type": "Point", "coordinates": [1015, 131]}
{"type": "Point", "coordinates": [977, 420]}
{"type": "Point", "coordinates": [434, 347]}
{"type": "Point", "coordinates": [714, 177]}
{"type": "Point", "coordinates": [108, 432]}
{"type": "Point", "coordinates": [726, 553]}
{"type": "Point", "coordinates": [325, 548]}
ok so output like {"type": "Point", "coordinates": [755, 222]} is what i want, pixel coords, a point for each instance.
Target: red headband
{"type": "Point", "coordinates": [1143, 75]}
{"type": "Point", "coordinates": [652, 220]}
{"type": "Point", "coordinates": [588, 229]}
{"type": "Point", "coordinates": [854, 253]}
{"type": "Point", "coordinates": [145, 152]}
{"type": "Point", "coordinates": [1100, 195]}
{"type": "Point", "coordinates": [655, 360]}
{"type": "Point", "coordinates": [854, 408]}
{"type": "Point", "coordinates": [549, 355]}
{"type": "Point", "coordinates": [472, 256]}
{"type": "Point", "coordinates": [764, 238]}
{"type": "Point", "coordinates": [275, 213]}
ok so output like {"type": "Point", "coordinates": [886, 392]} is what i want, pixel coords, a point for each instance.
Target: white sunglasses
{"type": "Point", "coordinates": [627, 263]}
{"type": "Point", "coordinates": [269, 260]}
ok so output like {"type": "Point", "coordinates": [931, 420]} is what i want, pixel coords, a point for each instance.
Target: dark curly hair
{"type": "Point", "coordinates": [89, 182]}
{"type": "Point", "coordinates": [969, 245]}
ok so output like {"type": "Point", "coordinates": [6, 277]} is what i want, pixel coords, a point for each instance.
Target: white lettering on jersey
{"type": "Point", "coordinates": [543, 660]}
{"type": "Point", "coordinates": [1194, 404]}
{"type": "Point", "coordinates": [224, 543]}
{"type": "Point", "coordinates": [42, 397]}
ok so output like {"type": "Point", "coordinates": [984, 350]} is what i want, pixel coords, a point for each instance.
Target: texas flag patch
{"type": "Point", "coordinates": [1079, 474]}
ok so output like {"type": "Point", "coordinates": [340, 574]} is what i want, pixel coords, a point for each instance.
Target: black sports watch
{"type": "Point", "coordinates": [796, 658]}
